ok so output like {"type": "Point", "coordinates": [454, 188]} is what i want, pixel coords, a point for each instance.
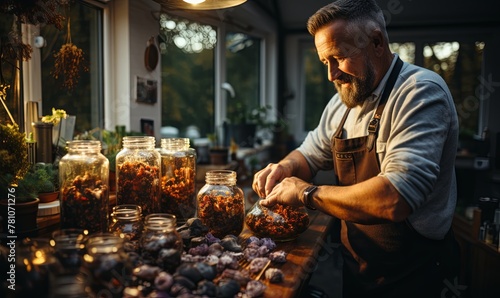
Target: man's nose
{"type": "Point", "coordinates": [333, 73]}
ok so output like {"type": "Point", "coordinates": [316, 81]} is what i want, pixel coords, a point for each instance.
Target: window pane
{"type": "Point", "coordinates": [187, 74]}
{"type": "Point", "coordinates": [459, 63]}
{"type": "Point", "coordinates": [242, 72]}
{"type": "Point", "coordinates": [85, 100]}
{"type": "Point", "coordinates": [7, 70]}
{"type": "Point", "coordinates": [405, 50]}
{"type": "Point", "coordinates": [318, 90]}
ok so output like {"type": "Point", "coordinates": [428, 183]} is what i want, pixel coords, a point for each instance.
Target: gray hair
{"type": "Point", "coordinates": [362, 16]}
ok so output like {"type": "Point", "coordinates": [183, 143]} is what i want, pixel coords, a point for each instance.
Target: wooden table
{"type": "Point", "coordinates": [303, 255]}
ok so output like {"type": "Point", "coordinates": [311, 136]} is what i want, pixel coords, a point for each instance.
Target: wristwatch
{"type": "Point", "coordinates": [308, 196]}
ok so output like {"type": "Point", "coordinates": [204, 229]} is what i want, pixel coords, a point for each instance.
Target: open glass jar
{"type": "Point", "coordinates": [221, 204]}
{"type": "Point", "coordinates": [178, 175]}
{"type": "Point", "coordinates": [138, 174]}
{"type": "Point", "coordinates": [84, 191]}
{"type": "Point", "coordinates": [280, 222]}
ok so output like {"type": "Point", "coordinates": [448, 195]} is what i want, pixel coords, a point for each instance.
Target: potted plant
{"type": "Point", "coordinates": [243, 124]}
{"type": "Point", "coordinates": [18, 193]}
{"type": "Point", "coordinates": [46, 181]}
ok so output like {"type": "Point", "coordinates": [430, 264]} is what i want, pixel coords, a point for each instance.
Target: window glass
{"type": "Point", "coordinates": [405, 50]}
{"type": "Point", "coordinates": [85, 99]}
{"type": "Point", "coordinates": [459, 63]}
{"type": "Point", "coordinates": [318, 90]}
{"type": "Point", "coordinates": [7, 70]}
{"type": "Point", "coordinates": [242, 73]}
{"type": "Point", "coordinates": [188, 51]}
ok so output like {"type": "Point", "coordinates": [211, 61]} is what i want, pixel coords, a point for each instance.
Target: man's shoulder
{"type": "Point", "coordinates": [415, 74]}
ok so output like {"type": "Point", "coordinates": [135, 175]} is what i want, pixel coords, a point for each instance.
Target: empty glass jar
{"type": "Point", "coordinates": [84, 191]}
{"type": "Point", "coordinates": [178, 174]}
{"type": "Point", "coordinates": [138, 174]}
{"type": "Point", "coordinates": [221, 203]}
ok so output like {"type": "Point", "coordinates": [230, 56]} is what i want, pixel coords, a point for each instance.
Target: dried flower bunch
{"type": "Point", "coordinates": [69, 61]}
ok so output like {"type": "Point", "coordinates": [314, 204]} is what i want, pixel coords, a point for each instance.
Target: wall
{"type": "Point", "coordinates": [132, 23]}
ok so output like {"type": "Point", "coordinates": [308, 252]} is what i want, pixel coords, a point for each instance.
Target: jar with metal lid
{"type": "Point", "coordinates": [106, 265]}
{"type": "Point", "coordinates": [161, 245]}
{"type": "Point", "coordinates": [138, 174]}
{"type": "Point", "coordinates": [221, 203]}
{"type": "Point", "coordinates": [178, 174]}
{"type": "Point", "coordinates": [126, 222]}
{"type": "Point", "coordinates": [84, 190]}
{"type": "Point", "coordinates": [279, 222]}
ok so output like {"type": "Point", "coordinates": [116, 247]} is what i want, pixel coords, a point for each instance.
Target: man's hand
{"type": "Point", "coordinates": [288, 192]}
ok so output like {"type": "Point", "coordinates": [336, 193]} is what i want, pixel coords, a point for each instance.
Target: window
{"type": "Point", "coordinates": [460, 63]}
{"type": "Point", "coordinates": [86, 99]}
{"type": "Point", "coordinates": [189, 75]}
{"type": "Point", "coordinates": [318, 89]}
{"type": "Point", "coordinates": [188, 53]}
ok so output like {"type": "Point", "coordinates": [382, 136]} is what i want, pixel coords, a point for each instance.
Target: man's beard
{"type": "Point", "coordinates": [359, 88]}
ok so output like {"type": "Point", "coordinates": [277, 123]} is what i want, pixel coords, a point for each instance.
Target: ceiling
{"type": "Point", "coordinates": [293, 14]}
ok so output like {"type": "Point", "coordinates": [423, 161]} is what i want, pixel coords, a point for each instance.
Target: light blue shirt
{"type": "Point", "coordinates": [416, 143]}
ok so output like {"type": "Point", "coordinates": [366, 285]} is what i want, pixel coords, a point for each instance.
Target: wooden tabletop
{"type": "Point", "coordinates": [302, 257]}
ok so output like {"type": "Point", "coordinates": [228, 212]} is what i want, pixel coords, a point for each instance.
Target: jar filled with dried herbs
{"type": "Point", "coordinates": [178, 174]}
{"type": "Point", "coordinates": [84, 191]}
{"type": "Point", "coordinates": [221, 203]}
{"type": "Point", "coordinates": [138, 174]}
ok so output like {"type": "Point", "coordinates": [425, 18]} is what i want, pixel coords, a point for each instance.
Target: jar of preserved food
{"type": "Point", "coordinates": [126, 222]}
{"type": "Point", "coordinates": [161, 245]}
{"type": "Point", "coordinates": [221, 204]}
{"type": "Point", "coordinates": [138, 174]}
{"type": "Point", "coordinates": [279, 222]}
{"type": "Point", "coordinates": [69, 245]}
{"type": "Point", "coordinates": [84, 191]}
{"type": "Point", "coordinates": [178, 174]}
{"type": "Point", "coordinates": [106, 265]}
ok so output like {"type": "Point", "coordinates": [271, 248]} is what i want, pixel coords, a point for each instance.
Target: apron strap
{"type": "Point", "coordinates": [374, 123]}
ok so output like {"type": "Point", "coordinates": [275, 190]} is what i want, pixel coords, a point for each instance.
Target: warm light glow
{"type": "Point", "coordinates": [194, 2]}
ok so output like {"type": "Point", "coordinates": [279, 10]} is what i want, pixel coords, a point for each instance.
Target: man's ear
{"type": "Point", "coordinates": [378, 41]}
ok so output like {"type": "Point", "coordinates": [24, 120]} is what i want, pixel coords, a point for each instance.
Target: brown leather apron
{"type": "Point", "coordinates": [386, 260]}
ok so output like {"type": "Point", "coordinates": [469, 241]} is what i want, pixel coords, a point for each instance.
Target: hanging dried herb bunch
{"type": "Point", "coordinates": [69, 62]}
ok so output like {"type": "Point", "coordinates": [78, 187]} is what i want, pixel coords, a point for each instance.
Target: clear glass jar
{"type": "Point", "coordinates": [69, 245]}
{"type": "Point", "coordinates": [106, 265]}
{"type": "Point", "coordinates": [126, 222]}
{"type": "Point", "coordinates": [84, 189]}
{"type": "Point", "coordinates": [178, 174]}
{"type": "Point", "coordinates": [279, 222]}
{"type": "Point", "coordinates": [221, 203]}
{"type": "Point", "coordinates": [161, 245]}
{"type": "Point", "coordinates": [138, 174]}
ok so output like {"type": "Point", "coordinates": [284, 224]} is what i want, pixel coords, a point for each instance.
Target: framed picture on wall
{"type": "Point", "coordinates": [146, 90]}
{"type": "Point", "coordinates": [148, 127]}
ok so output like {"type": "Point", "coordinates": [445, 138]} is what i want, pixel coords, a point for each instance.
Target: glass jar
{"type": "Point", "coordinates": [126, 222]}
{"type": "Point", "coordinates": [138, 174]}
{"type": "Point", "coordinates": [69, 245]}
{"type": "Point", "coordinates": [106, 265]}
{"type": "Point", "coordinates": [279, 222]}
{"type": "Point", "coordinates": [221, 204]}
{"type": "Point", "coordinates": [178, 174]}
{"type": "Point", "coordinates": [161, 245]}
{"type": "Point", "coordinates": [84, 189]}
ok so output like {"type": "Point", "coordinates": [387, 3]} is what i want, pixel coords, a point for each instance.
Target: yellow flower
{"type": "Point", "coordinates": [55, 118]}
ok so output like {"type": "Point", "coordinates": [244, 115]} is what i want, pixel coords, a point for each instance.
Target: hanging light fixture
{"type": "Point", "coordinates": [199, 4]}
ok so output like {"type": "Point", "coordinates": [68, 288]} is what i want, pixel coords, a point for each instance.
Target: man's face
{"type": "Point", "coordinates": [349, 65]}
